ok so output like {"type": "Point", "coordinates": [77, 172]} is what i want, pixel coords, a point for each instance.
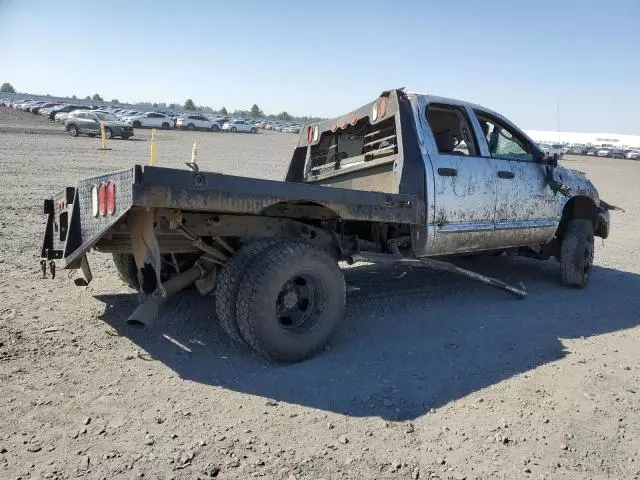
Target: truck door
{"type": "Point", "coordinates": [527, 211]}
{"type": "Point", "coordinates": [464, 190]}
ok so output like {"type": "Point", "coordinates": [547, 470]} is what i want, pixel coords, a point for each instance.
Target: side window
{"type": "Point", "coordinates": [503, 141]}
{"type": "Point", "coordinates": [451, 129]}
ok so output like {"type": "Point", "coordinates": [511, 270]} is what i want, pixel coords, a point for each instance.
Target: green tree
{"type": "Point", "coordinates": [96, 97]}
{"type": "Point", "coordinates": [7, 88]}
{"type": "Point", "coordinates": [87, 97]}
{"type": "Point", "coordinates": [155, 105]}
{"type": "Point", "coordinates": [223, 111]}
{"type": "Point", "coordinates": [74, 97]}
{"type": "Point", "coordinates": [256, 112]}
{"type": "Point", "coordinates": [115, 100]}
{"type": "Point", "coordinates": [189, 105]}
{"type": "Point", "coordinates": [284, 116]}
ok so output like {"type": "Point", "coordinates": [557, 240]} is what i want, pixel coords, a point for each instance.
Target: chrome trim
{"type": "Point", "coordinates": [466, 227]}
{"type": "Point", "coordinates": [522, 224]}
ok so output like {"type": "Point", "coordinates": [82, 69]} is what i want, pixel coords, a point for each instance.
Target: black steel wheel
{"type": "Point", "coordinates": [291, 301]}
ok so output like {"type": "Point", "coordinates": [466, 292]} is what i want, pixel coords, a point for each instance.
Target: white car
{"type": "Point", "coordinates": [239, 126]}
{"type": "Point", "coordinates": [196, 122]}
{"type": "Point", "coordinates": [633, 155]}
{"type": "Point", "coordinates": [150, 119]}
{"type": "Point", "coordinates": [605, 152]}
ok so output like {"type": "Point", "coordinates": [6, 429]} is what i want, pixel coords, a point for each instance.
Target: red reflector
{"type": "Point", "coordinates": [354, 120]}
{"type": "Point", "coordinates": [343, 125]}
{"type": "Point", "coordinates": [102, 199]}
{"type": "Point", "coordinates": [382, 107]}
{"type": "Point", "coordinates": [111, 198]}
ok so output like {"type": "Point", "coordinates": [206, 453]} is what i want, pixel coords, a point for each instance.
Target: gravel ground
{"type": "Point", "coordinates": [432, 376]}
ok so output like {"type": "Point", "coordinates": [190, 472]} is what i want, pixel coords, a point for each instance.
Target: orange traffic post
{"type": "Point", "coordinates": [103, 137]}
{"type": "Point", "coordinates": [152, 158]}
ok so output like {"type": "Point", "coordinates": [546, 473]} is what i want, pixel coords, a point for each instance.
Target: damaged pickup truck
{"type": "Point", "coordinates": [405, 178]}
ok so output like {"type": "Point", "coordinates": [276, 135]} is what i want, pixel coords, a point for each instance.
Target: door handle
{"type": "Point", "coordinates": [505, 174]}
{"type": "Point", "coordinates": [447, 172]}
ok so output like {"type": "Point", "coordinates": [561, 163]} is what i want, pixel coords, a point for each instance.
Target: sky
{"type": "Point", "coordinates": [521, 58]}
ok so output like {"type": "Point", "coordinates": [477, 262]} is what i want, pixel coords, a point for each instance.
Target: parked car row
{"type": "Point", "coordinates": [68, 115]}
{"type": "Point", "coordinates": [557, 150]}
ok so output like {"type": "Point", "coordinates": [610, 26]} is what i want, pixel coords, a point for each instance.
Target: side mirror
{"type": "Point", "coordinates": [553, 162]}
{"type": "Point", "coordinates": [539, 156]}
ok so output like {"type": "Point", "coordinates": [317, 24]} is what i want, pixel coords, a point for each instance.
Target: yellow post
{"type": "Point", "coordinates": [152, 159]}
{"type": "Point", "coordinates": [103, 136]}
{"type": "Point", "coordinates": [194, 152]}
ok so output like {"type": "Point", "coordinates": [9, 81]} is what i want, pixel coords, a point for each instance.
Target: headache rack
{"type": "Point", "coordinates": [358, 144]}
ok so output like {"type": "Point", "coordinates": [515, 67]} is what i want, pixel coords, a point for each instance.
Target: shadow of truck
{"type": "Point", "coordinates": [413, 339]}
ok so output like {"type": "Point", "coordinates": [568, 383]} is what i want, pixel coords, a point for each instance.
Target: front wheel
{"type": "Point", "coordinates": [166, 126]}
{"type": "Point", "coordinates": [215, 127]}
{"type": "Point", "coordinates": [191, 127]}
{"type": "Point", "coordinates": [291, 301]}
{"type": "Point", "coordinates": [254, 130]}
{"type": "Point", "coordinates": [576, 253]}
{"type": "Point", "coordinates": [234, 129]}
{"type": "Point", "coordinates": [107, 132]}
{"type": "Point", "coordinates": [137, 124]}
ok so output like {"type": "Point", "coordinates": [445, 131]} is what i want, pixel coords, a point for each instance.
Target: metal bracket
{"type": "Point", "coordinates": [440, 265]}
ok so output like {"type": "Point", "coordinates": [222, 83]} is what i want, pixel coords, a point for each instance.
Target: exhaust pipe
{"type": "Point", "coordinates": [147, 311]}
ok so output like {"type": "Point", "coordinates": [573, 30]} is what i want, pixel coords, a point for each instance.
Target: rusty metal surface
{"type": "Point", "coordinates": [212, 192]}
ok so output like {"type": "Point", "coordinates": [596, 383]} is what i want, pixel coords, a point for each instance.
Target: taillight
{"type": "Point", "coordinates": [309, 133]}
{"type": "Point", "coordinates": [102, 199]}
{"type": "Point", "coordinates": [382, 107]}
{"type": "Point", "coordinates": [111, 198]}
{"type": "Point", "coordinates": [94, 200]}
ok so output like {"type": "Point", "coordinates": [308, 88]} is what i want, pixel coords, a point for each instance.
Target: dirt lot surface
{"type": "Point", "coordinates": [432, 376]}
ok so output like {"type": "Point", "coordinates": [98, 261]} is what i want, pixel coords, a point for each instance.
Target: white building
{"type": "Point", "coordinates": [611, 139]}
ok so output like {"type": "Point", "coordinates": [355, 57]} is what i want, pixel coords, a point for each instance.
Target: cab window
{"type": "Point", "coordinates": [503, 141]}
{"type": "Point", "coordinates": [451, 130]}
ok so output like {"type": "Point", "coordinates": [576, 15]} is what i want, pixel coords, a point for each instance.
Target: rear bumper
{"type": "Point", "coordinates": [72, 228]}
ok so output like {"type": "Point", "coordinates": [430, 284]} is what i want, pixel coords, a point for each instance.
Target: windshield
{"type": "Point", "coordinates": [104, 116]}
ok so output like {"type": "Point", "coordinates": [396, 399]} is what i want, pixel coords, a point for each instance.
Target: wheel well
{"type": "Point", "coordinates": [579, 207]}
{"type": "Point", "coordinates": [310, 210]}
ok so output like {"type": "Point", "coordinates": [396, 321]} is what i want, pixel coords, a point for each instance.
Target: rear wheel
{"type": "Point", "coordinates": [291, 301]}
{"type": "Point", "coordinates": [254, 130]}
{"type": "Point", "coordinates": [137, 124]}
{"type": "Point", "coordinates": [73, 130]}
{"type": "Point", "coordinates": [234, 129]}
{"type": "Point", "coordinates": [127, 270]}
{"type": "Point", "coordinates": [215, 127]}
{"type": "Point", "coordinates": [576, 253]}
{"type": "Point", "coordinates": [166, 126]}
{"type": "Point", "coordinates": [228, 284]}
